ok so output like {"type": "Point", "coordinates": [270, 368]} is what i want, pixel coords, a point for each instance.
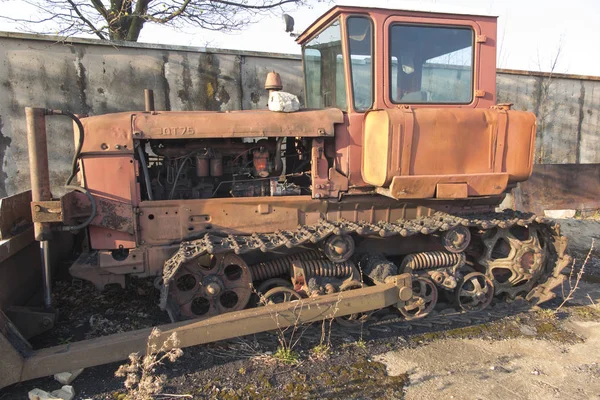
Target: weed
{"type": "Point", "coordinates": [361, 344]}
{"type": "Point", "coordinates": [573, 286]}
{"type": "Point", "coordinates": [141, 380]}
{"type": "Point", "coordinates": [286, 355]}
{"type": "Point", "coordinates": [320, 351]}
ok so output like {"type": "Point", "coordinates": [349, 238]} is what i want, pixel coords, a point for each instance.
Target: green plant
{"type": "Point", "coordinates": [286, 355]}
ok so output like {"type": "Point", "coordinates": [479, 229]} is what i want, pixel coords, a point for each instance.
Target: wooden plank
{"type": "Point", "coordinates": [14, 211]}
{"type": "Point", "coordinates": [11, 361]}
{"type": "Point", "coordinates": [11, 246]}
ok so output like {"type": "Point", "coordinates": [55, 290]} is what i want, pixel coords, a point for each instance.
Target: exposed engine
{"type": "Point", "coordinates": [212, 168]}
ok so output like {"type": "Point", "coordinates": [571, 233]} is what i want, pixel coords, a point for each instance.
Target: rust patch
{"type": "Point", "coordinates": [111, 218]}
{"type": "Point", "coordinates": [208, 72]}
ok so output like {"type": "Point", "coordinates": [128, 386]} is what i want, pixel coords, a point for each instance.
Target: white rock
{"type": "Point", "coordinates": [65, 393]}
{"type": "Point", "coordinates": [559, 214]}
{"type": "Point", "coordinates": [283, 102]}
{"type": "Point", "coordinates": [67, 377]}
{"type": "Point", "coordinates": [39, 394]}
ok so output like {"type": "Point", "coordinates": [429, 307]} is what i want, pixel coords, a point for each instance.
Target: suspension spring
{"type": "Point", "coordinates": [281, 266]}
{"type": "Point", "coordinates": [431, 259]}
{"type": "Point", "coordinates": [326, 268]}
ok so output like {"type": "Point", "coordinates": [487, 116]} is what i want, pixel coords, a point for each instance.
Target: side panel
{"type": "Point", "coordinates": [448, 146]}
{"type": "Point", "coordinates": [111, 177]}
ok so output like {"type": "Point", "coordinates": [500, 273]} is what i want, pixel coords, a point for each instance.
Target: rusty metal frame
{"type": "Point", "coordinates": [117, 347]}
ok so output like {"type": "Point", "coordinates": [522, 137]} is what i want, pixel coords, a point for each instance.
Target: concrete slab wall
{"type": "Point", "coordinates": [94, 77]}
{"type": "Point", "coordinates": [568, 111]}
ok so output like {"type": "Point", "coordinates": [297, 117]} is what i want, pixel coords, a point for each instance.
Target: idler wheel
{"type": "Point", "coordinates": [273, 283]}
{"type": "Point", "coordinates": [475, 292]}
{"type": "Point", "coordinates": [424, 299]}
{"type": "Point", "coordinates": [339, 248]}
{"type": "Point", "coordinates": [280, 295]}
{"type": "Point", "coordinates": [457, 239]}
{"type": "Point", "coordinates": [210, 285]}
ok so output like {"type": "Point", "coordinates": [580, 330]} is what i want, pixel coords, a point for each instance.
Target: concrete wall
{"type": "Point", "coordinates": [568, 111]}
{"type": "Point", "coordinates": [93, 77]}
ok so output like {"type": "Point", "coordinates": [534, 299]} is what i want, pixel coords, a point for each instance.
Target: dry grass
{"type": "Point", "coordinates": [141, 379]}
{"type": "Point", "coordinates": [573, 281]}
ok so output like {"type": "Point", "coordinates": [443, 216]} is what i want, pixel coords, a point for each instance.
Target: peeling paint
{"type": "Point", "coordinates": [184, 92]}
{"type": "Point", "coordinates": [81, 81]}
{"type": "Point", "coordinates": [165, 81]}
{"type": "Point", "coordinates": [581, 102]}
{"type": "Point", "coordinates": [4, 144]}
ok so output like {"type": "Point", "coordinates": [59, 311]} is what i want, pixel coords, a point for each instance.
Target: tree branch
{"type": "Point", "coordinates": [87, 21]}
{"type": "Point", "coordinates": [263, 7]}
{"type": "Point", "coordinates": [174, 14]}
{"type": "Point", "coordinates": [100, 8]}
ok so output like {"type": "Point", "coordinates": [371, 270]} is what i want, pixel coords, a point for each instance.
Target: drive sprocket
{"type": "Point", "coordinates": [514, 258]}
{"type": "Point", "coordinates": [211, 284]}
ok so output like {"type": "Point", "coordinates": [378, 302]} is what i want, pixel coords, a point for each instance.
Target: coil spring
{"type": "Point", "coordinates": [327, 269]}
{"type": "Point", "coordinates": [281, 266]}
{"type": "Point", "coordinates": [431, 259]}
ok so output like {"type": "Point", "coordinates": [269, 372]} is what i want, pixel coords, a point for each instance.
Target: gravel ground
{"type": "Point", "coordinates": [536, 354]}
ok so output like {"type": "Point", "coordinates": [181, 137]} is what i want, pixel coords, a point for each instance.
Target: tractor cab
{"type": "Point", "coordinates": [418, 91]}
{"type": "Point", "coordinates": [357, 59]}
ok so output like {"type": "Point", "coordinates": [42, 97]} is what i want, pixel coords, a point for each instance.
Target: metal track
{"type": "Point", "coordinates": [438, 222]}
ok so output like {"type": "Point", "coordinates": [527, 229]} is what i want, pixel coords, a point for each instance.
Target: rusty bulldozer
{"type": "Point", "coordinates": [380, 194]}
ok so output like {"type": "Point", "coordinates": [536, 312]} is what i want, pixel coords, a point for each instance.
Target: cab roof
{"type": "Point", "coordinates": [336, 11]}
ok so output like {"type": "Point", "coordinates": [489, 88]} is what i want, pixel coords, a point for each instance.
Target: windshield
{"type": "Point", "coordinates": [431, 64]}
{"type": "Point", "coordinates": [324, 69]}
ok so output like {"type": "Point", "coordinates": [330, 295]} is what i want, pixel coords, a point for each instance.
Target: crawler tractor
{"type": "Point", "coordinates": [379, 195]}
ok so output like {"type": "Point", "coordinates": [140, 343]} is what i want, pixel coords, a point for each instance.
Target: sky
{"type": "Point", "coordinates": [530, 32]}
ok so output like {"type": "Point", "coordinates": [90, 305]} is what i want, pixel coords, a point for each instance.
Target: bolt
{"type": "Point", "coordinates": [38, 208]}
{"type": "Point", "coordinates": [104, 146]}
{"type": "Point", "coordinates": [46, 322]}
{"type": "Point", "coordinates": [317, 195]}
{"type": "Point", "coordinates": [213, 288]}
{"type": "Point", "coordinates": [117, 146]}
{"type": "Point", "coordinates": [137, 133]}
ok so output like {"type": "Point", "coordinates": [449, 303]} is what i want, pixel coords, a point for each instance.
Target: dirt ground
{"type": "Point", "coordinates": [533, 354]}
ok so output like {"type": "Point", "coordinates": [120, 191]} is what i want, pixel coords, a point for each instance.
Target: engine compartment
{"type": "Point", "coordinates": [217, 168]}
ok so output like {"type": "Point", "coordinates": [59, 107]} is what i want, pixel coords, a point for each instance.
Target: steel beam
{"type": "Point", "coordinates": [117, 347]}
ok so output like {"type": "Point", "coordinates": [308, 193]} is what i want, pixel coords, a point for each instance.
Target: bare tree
{"type": "Point", "coordinates": [124, 19]}
{"type": "Point", "coordinates": [542, 93]}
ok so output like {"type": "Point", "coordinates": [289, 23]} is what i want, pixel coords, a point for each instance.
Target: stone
{"type": "Point", "coordinates": [528, 330]}
{"type": "Point", "coordinates": [283, 102]}
{"type": "Point", "coordinates": [65, 393]}
{"type": "Point", "coordinates": [67, 377]}
{"type": "Point", "coordinates": [559, 214]}
{"type": "Point", "coordinates": [39, 394]}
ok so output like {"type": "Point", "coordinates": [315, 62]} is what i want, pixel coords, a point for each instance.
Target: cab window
{"type": "Point", "coordinates": [360, 44]}
{"type": "Point", "coordinates": [324, 69]}
{"type": "Point", "coordinates": [431, 64]}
